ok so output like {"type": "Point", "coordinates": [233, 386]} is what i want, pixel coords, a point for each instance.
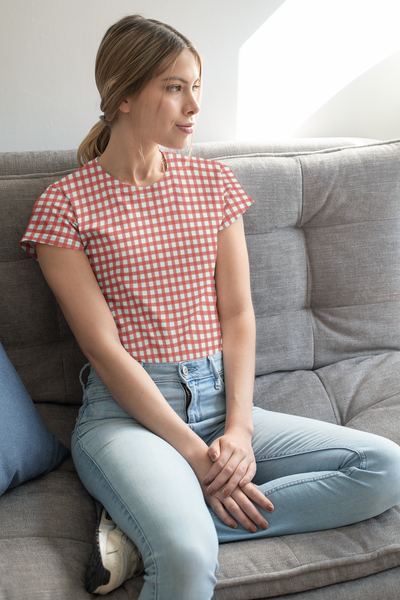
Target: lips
{"type": "Point", "coordinates": [188, 128]}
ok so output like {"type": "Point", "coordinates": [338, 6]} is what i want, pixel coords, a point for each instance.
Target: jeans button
{"type": "Point", "coordinates": [185, 370]}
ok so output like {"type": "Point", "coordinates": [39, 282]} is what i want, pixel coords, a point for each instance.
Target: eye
{"type": "Point", "coordinates": [174, 88]}
{"type": "Point", "coordinates": [196, 87]}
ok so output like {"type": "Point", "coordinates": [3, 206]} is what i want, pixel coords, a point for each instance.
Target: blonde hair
{"type": "Point", "coordinates": [133, 51]}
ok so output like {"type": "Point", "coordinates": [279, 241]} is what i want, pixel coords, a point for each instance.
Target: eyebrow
{"type": "Point", "coordinates": [179, 79]}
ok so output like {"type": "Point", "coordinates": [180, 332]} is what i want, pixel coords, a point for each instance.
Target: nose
{"type": "Point", "coordinates": [193, 106]}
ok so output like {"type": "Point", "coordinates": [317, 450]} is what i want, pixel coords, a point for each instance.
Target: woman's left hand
{"type": "Point", "coordinates": [234, 462]}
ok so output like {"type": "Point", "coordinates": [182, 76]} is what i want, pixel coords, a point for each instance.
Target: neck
{"type": "Point", "coordinates": [132, 164]}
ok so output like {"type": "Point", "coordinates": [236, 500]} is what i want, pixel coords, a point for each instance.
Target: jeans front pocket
{"type": "Point", "coordinates": [98, 404]}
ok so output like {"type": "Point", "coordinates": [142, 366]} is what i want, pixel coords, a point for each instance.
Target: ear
{"type": "Point", "coordinates": [125, 106]}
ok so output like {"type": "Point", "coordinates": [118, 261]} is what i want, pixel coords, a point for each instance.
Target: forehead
{"type": "Point", "coordinates": [185, 66]}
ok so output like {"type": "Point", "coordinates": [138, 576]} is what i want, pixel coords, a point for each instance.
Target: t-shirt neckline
{"type": "Point", "coordinates": [122, 184]}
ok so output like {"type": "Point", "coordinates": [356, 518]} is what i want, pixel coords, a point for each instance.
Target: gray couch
{"type": "Point", "coordinates": [324, 245]}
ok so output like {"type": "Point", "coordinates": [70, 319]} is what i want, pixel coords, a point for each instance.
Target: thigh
{"type": "Point", "coordinates": [287, 444]}
{"type": "Point", "coordinates": [146, 485]}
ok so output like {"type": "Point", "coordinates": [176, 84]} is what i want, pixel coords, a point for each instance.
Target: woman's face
{"type": "Point", "coordinates": [164, 112]}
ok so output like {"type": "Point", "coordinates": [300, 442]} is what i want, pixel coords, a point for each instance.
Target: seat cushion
{"type": "Point", "coordinates": [47, 534]}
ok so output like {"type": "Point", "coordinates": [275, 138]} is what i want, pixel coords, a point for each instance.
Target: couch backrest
{"type": "Point", "coordinates": [324, 245]}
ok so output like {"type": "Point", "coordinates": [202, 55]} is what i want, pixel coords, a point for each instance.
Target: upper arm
{"type": "Point", "coordinates": [232, 273]}
{"type": "Point", "coordinates": [70, 276]}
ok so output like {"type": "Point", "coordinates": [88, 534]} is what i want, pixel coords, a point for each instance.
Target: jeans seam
{"type": "Point", "coordinates": [361, 455]}
{"type": "Point", "coordinates": [348, 472]}
{"type": "Point", "coordinates": [303, 480]}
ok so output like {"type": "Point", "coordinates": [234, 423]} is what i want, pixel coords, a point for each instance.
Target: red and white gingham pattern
{"type": "Point", "coordinates": [152, 249]}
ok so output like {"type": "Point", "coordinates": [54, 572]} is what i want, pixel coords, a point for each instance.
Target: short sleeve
{"type": "Point", "coordinates": [53, 222]}
{"type": "Point", "coordinates": [236, 199]}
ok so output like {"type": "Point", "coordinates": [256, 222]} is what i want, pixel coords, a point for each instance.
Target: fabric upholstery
{"type": "Point", "coordinates": [326, 227]}
{"type": "Point", "coordinates": [324, 246]}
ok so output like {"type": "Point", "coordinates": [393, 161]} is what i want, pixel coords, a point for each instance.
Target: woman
{"type": "Point", "coordinates": [146, 254]}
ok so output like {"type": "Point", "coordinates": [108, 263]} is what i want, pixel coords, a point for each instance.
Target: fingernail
{"type": "Point", "coordinates": [264, 525]}
{"type": "Point", "coordinates": [211, 491]}
{"type": "Point", "coordinates": [225, 493]}
{"type": "Point", "coordinates": [253, 529]}
{"type": "Point", "coordinates": [234, 525]}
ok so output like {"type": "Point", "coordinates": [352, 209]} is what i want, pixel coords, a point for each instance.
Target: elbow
{"type": "Point", "coordinates": [240, 321]}
{"type": "Point", "coordinates": [100, 350]}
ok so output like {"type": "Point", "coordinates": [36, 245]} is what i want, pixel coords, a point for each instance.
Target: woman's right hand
{"type": "Point", "coordinates": [240, 506]}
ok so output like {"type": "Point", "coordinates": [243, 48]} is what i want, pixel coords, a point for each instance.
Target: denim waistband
{"type": "Point", "coordinates": [186, 370]}
{"type": "Point", "coordinates": [189, 369]}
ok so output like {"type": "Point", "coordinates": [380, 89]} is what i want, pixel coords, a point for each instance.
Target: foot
{"type": "Point", "coordinates": [114, 558]}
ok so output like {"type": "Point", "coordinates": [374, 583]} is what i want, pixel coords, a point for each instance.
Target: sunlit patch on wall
{"type": "Point", "coordinates": [303, 55]}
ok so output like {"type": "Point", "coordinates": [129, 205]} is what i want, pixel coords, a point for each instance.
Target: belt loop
{"type": "Point", "coordinates": [217, 378]}
{"type": "Point", "coordinates": [80, 376]}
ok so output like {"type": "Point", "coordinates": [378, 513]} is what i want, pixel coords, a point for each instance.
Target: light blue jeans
{"type": "Point", "coordinates": [317, 475]}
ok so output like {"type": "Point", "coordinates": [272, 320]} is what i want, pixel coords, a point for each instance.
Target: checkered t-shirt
{"type": "Point", "coordinates": [153, 249]}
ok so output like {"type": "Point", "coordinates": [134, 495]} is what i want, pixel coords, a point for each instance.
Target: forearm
{"type": "Point", "coordinates": [135, 391]}
{"type": "Point", "coordinates": [238, 345]}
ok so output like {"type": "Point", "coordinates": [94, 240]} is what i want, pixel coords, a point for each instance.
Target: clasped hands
{"type": "Point", "coordinates": [227, 485]}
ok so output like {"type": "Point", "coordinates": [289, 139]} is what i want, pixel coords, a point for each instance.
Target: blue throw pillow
{"type": "Point", "coordinates": [27, 447]}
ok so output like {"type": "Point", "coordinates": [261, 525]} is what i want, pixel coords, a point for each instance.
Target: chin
{"type": "Point", "coordinates": [177, 145]}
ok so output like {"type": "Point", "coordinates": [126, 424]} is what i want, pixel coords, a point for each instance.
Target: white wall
{"type": "Point", "coordinates": [48, 99]}
{"type": "Point", "coordinates": [48, 96]}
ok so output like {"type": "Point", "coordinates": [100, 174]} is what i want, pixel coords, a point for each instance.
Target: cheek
{"type": "Point", "coordinates": [168, 109]}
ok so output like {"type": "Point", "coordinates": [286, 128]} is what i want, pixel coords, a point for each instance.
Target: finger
{"type": "Point", "coordinates": [251, 471]}
{"type": "Point", "coordinates": [233, 470]}
{"type": "Point", "coordinates": [254, 494]}
{"type": "Point", "coordinates": [212, 473]}
{"type": "Point", "coordinates": [217, 467]}
{"type": "Point", "coordinates": [214, 450]}
{"type": "Point", "coordinates": [235, 479]}
{"type": "Point", "coordinates": [221, 512]}
{"type": "Point", "coordinates": [244, 511]}
{"type": "Point", "coordinates": [250, 510]}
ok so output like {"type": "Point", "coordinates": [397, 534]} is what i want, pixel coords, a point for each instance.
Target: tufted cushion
{"type": "Point", "coordinates": [33, 330]}
{"type": "Point", "coordinates": [324, 246]}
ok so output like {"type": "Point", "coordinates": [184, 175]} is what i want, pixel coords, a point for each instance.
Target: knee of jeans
{"type": "Point", "coordinates": [196, 556]}
{"type": "Point", "coordinates": [191, 563]}
{"type": "Point", "coordinates": [387, 465]}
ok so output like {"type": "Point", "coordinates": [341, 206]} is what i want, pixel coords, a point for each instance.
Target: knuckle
{"type": "Point", "coordinates": [231, 505]}
{"type": "Point", "coordinates": [246, 504]}
{"type": "Point", "coordinates": [250, 489]}
{"type": "Point", "coordinates": [236, 513]}
{"type": "Point", "coordinates": [242, 469]}
{"type": "Point", "coordinates": [229, 469]}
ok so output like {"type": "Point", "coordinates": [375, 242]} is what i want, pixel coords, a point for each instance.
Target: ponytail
{"type": "Point", "coordinates": [94, 143]}
{"type": "Point", "coordinates": [133, 51]}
